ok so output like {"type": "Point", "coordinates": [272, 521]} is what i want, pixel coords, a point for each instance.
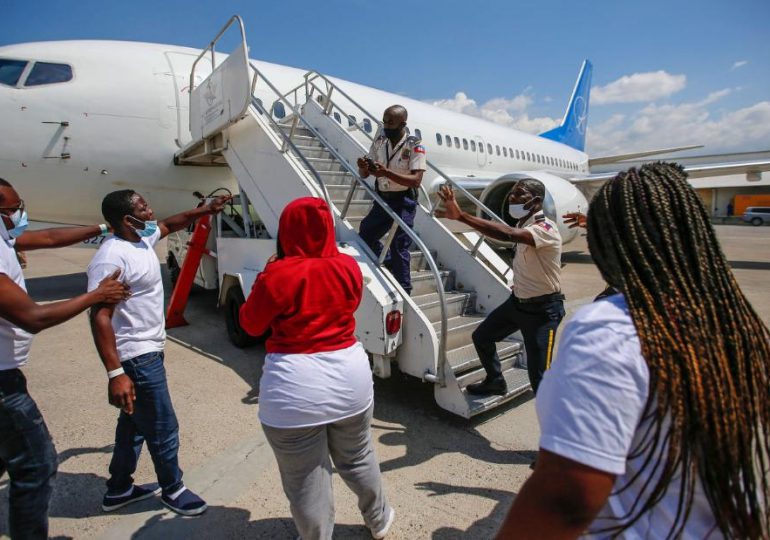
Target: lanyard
{"type": "Point", "coordinates": [395, 152]}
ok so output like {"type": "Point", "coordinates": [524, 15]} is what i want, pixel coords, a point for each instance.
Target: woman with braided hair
{"type": "Point", "coordinates": [655, 416]}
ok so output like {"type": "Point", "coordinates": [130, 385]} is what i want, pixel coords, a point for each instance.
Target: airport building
{"type": "Point", "coordinates": [718, 192]}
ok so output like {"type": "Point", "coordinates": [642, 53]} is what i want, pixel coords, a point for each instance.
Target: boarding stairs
{"type": "Point", "coordinates": [309, 153]}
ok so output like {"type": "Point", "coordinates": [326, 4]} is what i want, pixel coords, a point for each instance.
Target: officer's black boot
{"type": "Point", "coordinates": [495, 385]}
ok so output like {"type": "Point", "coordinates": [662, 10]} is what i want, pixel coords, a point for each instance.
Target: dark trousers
{"type": "Point", "coordinates": [28, 454]}
{"type": "Point", "coordinates": [538, 323]}
{"type": "Point", "coordinates": [154, 421]}
{"type": "Point", "coordinates": [377, 222]}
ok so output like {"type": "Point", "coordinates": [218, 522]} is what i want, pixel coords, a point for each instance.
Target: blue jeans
{"type": "Point", "coordinates": [377, 222]}
{"type": "Point", "coordinates": [154, 421]}
{"type": "Point", "coordinates": [28, 454]}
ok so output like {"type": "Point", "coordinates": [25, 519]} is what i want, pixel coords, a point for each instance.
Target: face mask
{"type": "Point", "coordinates": [391, 133]}
{"type": "Point", "coordinates": [20, 223]}
{"type": "Point", "coordinates": [517, 211]}
{"type": "Point", "coordinates": [149, 227]}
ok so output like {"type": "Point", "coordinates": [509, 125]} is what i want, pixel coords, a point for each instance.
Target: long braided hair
{"type": "Point", "coordinates": [707, 351]}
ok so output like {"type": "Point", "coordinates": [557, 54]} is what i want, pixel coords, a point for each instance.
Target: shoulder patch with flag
{"type": "Point", "coordinates": [545, 225]}
{"type": "Point", "coordinates": [419, 149]}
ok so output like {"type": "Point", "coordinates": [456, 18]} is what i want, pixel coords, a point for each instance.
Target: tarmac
{"type": "Point", "coordinates": [445, 476]}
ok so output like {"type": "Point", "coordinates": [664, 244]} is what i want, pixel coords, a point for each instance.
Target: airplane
{"type": "Point", "coordinates": [83, 118]}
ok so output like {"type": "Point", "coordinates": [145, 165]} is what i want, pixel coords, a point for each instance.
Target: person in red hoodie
{"type": "Point", "coordinates": [316, 392]}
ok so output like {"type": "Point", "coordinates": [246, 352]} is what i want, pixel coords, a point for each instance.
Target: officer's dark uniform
{"type": "Point", "coordinates": [406, 156]}
{"type": "Point", "coordinates": [536, 306]}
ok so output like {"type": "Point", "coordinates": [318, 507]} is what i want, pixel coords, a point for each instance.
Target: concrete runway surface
{"type": "Point", "coordinates": [445, 476]}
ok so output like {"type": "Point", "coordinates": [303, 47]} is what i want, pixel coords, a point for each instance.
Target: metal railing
{"type": "Point", "coordinates": [329, 105]}
{"type": "Point", "coordinates": [397, 221]}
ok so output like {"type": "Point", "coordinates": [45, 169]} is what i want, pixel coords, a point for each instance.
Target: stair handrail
{"type": "Point", "coordinates": [311, 75]}
{"type": "Point", "coordinates": [442, 359]}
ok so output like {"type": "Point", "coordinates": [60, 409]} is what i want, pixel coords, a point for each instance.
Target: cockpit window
{"type": "Point", "coordinates": [48, 73]}
{"type": "Point", "coordinates": [11, 70]}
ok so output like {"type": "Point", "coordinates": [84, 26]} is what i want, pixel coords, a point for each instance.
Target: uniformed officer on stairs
{"type": "Point", "coordinates": [536, 305]}
{"type": "Point", "coordinates": [398, 161]}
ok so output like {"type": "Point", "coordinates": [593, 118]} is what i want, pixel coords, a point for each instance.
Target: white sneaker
{"type": "Point", "coordinates": [381, 533]}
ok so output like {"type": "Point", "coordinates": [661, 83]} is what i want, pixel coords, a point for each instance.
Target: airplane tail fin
{"type": "Point", "coordinates": [572, 130]}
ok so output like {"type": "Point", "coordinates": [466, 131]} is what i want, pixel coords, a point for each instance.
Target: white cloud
{"type": "Point", "coordinates": [661, 126]}
{"type": "Point", "coordinates": [510, 112]}
{"type": "Point", "coordinates": [639, 87]}
{"type": "Point", "coordinates": [650, 127]}
{"type": "Point", "coordinates": [739, 64]}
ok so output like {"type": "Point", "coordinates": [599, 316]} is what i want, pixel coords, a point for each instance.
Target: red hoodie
{"type": "Point", "coordinates": [308, 297]}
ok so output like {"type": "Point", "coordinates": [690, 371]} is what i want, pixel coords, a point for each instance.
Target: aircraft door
{"type": "Point", "coordinates": [481, 151]}
{"type": "Point", "coordinates": [181, 65]}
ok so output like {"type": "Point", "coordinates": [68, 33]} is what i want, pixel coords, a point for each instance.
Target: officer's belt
{"type": "Point", "coordinates": [540, 299]}
{"type": "Point", "coordinates": [398, 195]}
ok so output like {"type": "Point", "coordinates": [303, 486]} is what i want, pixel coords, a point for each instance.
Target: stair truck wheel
{"type": "Point", "coordinates": [238, 336]}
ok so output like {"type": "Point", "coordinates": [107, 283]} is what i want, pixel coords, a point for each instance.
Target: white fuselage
{"type": "Point", "coordinates": [126, 115]}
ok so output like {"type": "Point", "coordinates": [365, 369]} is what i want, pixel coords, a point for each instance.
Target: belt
{"type": "Point", "coordinates": [12, 381]}
{"type": "Point", "coordinates": [540, 299]}
{"type": "Point", "coordinates": [397, 195]}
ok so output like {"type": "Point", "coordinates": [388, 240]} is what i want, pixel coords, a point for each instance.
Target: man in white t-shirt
{"type": "Point", "coordinates": [26, 449]}
{"type": "Point", "coordinates": [130, 340]}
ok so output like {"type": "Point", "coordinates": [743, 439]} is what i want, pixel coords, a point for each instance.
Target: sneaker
{"type": "Point", "coordinates": [184, 502]}
{"type": "Point", "coordinates": [136, 493]}
{"type": "Point", "coordinates": [489, 386]}
{"type": "Point", "coordinates": [383, 531]}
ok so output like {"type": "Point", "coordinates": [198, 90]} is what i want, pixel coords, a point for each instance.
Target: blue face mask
{"type": "Point", "coordinates": [20, 223]}
{"type": "Point", "coordinates": [149, 227]}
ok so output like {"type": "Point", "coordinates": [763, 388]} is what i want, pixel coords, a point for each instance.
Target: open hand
{"type": "Point", "coordinates": [112, 291]}
{"type": "Point", "coordinates": [575, 219]}
{"type": "Point", "coordinates": [451, 209]}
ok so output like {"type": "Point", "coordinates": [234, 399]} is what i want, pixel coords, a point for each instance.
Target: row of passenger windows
{"type": "Point", "coordinates": [279, 111]}
{"type": "Point", "coordinates": [41, 73]}
{"type": "Point", "coordinates": [505, 151]}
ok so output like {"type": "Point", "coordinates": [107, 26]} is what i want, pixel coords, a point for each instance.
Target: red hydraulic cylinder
{"type": "Point", "coordinates": [195, 251]}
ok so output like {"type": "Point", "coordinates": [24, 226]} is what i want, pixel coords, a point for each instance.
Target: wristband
{"type": "Point", "coordinates": [115, 372]}
{"type": "Point", "coordinates": [105, 230]}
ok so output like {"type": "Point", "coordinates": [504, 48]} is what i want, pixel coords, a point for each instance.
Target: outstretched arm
{"type": "Point", "coordinates": [56, 237]}
{"type": "Point", "coordinates": [178, 222]}
{"type": "Point", "coordinates": [17, 307]}
{"type": "Point", "coordinates": [486, 227]}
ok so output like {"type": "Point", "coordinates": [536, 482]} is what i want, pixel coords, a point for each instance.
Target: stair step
{"type": "Point", "coordinates": [518, 383]}
{"type": "Point", "coordinates": [357, 207]}
{"type": "Point", "coordinates": [423, 281]}
{"type": "Point", "coordinates": [339, 192]}
{"type": "Point", "coordinates": [478, 375]}
{"type": "Point", "coordinates": [325, 164]}
{"type": "Point", "coordinates": [459, 330]}
{"type": "Point", "coordinates": [418, 261]}
{"type": "Point", "coordinates": [465, 358]}
{"type": "Point", "coordinates": [456, 304]}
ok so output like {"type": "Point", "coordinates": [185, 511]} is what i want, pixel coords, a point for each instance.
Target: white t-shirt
{"type": "Point", "coordinates": [590, 406]}
{"type": "Point", "coordinates": [138, 322]}
{"type": "Point", "coordinates": [14, 342]}
{"type": "Point", "coordinates": [303, 390]}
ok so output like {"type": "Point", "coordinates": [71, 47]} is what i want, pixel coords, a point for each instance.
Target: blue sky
{"type": "Point", "coordinates": [665, 73]}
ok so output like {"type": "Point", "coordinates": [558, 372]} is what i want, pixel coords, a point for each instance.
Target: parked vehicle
{"type": "Point", "coordinates": [757, 215]}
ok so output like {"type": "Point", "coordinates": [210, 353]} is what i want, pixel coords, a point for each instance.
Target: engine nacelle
{"type": "Point", "coordinates": [561, 197]}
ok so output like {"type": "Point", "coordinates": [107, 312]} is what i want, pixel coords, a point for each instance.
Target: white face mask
{"type": "Point", "coordinates": [517, 211]}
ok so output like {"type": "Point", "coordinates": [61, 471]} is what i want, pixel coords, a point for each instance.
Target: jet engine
{"type": "Point", "coordinates": [561, 197]}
